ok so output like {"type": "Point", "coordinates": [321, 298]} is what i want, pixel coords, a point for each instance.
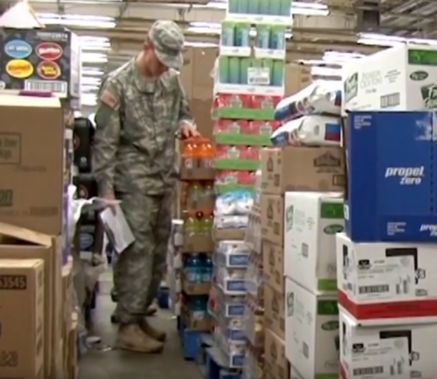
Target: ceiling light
{"type": "Point", "coordinates": [76, 20]}
{"type": "Point", "coordinates": [309, 9]}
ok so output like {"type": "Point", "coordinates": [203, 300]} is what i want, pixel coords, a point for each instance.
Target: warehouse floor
{"type": "Point", "coordinates": [102, 362]}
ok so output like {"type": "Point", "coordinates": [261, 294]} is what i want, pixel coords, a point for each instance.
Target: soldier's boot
{"type": "Point", "coordinates": [152, 309]}
{"type": "Point", "coordinates": [148, 329]}
{"type": "Point", "coordinates": [132, 338]}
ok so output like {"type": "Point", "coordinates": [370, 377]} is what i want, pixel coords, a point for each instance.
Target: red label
{"type": "Point", "coordinates": [49, 70]}
{"type": "Point", "coordinates": [49, 51]}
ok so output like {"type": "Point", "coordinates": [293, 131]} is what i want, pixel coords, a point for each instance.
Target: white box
{"type": "Point", "coordinates": [311, 221]}
{"type": "Point", "coordinates": [311, 331]}
{"type": "Point", "coordinates": [387, 280]}
{"type": "Point", "coordinates": [400, 78]}
{"type": "Point", "coordinates": [383, 352]}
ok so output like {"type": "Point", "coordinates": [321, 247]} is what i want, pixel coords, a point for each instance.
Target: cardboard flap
{"type": "Point", "coordinates": [24, 234]}
{"type": "Point", "coordinates": [20, 16]}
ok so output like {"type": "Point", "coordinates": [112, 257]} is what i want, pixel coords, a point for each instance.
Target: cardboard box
{"type": "Point", "coordinates": [386, 281]}
{"type": "Point", "coordinates": [399, 78]}
{"type": "Point", "coordinates": [311, 327]}
{"type": "Point", "coordinates": [41, 60]}
{"type": "Point", "coordinates": [21, 318]}
{"type": "Point", "coordinates": [191, 170]}
{"type": "Point", "coordinates": [197, 244]}
{"type": "Point", "coordinates": [302, 169]}
{"type": "Point", "coordinates": [274, 311]}
{"type": "Point", "coordinates": [191, 322]}
{"type": "Point", "coordinates": [275, 362]}
{"type": "Point", "coordinates": [297, 77]}
{"type": "Point", "coordinates": [273, 266]}
{"type": "Point", "coordinates": [311, 221]}
{"type": "Point", "coordinates": [228, 234]}
{"type": "Point", "coordinates": [195, 289]}
{"type": "Point", "coordinates": [394, 351]}
{"type": "Point", "coordinates": [20, 243]}
{"type": "Point", "coordinates": [395, 200]}
{"type": "Point", "coordinates": [32, 196]}
{"type": "Point", "coordinates": [272, 216]}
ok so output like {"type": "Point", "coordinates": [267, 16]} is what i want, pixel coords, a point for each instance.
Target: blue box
{"type": "Point", "coordinates": [392, 176]}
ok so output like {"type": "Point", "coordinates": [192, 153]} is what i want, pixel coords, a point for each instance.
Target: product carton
{"type": "Point", "coordinates": [387, 281]}
{"type": "Point", "coordinates": [391, 191]}
{"type": "Point", "coordinates": [393, 351]}
{"type": "Point", "coordinates": [274, 311]}
{"type": "Point", "coordinates": [311, 221]}
{"type": "Point", "coordinates": [312, 333]}
{"type": "Point", "coordinates": [20, 243]}
{"type": "Point", "coordinates": [21, 318]}
{"type": "Point", "coordinates": [32, 160]}
{"type": "Point", "coordinates": [40, 60]}
{"type": "Point", "coordinates": [272, 216]}
{"type": "Point", "coordinates": [273, 266]}
{"type": "Point", "coordinates": [400, 78]}
{"type": "Point", "coordinates": [302, 169]}
{"type": "Point", "coordinates": [275, 363]}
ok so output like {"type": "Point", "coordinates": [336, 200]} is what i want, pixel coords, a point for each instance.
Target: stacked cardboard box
{"type": "Point", "coordinates": [295, 311]}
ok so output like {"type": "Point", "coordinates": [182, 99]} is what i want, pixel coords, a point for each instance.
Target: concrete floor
{"type": "Point", "coordinates": [101, 363]}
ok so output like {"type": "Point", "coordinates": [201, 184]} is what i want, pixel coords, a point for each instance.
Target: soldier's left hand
{"type": "Point", "coordinates": [188, 130]}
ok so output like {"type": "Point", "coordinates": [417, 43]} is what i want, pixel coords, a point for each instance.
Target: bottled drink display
{"type": "Point", "coordinates": [198, 268]}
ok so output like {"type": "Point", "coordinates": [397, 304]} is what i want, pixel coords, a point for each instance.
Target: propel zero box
{"type": "Point", "coordinates": [276, 365]}
{"type": "Point", "coordinates": [311, 221]}
{"type": "Point", "coordinates": [391, 192]}
{"type": "Point", "coordinates": [311, 327]}
{"type": "Point", "coordinates": [274, 311]}
{"type": "Point", "coordinates": [380, 352]}
{"type": "Point", "coordinates": [302, 169]}
{"type": "Point", "coordinates": [272, 216]}
{"type": "Point", "coordinates": [40, 60]}
{"type": "Point", "coordinates": [400, 78]}
{"type": "Point", "coordinates": [387, 280]}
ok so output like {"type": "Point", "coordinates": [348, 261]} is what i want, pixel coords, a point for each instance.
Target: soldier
{"type": "Point", "coordinates": [142, 107]}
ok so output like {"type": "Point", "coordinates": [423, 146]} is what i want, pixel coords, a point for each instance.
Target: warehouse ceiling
{"type": "Point", "coordinates": [114, 29]}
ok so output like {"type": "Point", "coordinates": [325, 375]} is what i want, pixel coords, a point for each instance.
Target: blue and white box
{"type": "Point", "coordinates": [392, 176]}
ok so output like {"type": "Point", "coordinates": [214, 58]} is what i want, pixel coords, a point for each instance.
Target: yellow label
{"type": "Point", "coordinates": [19, 68]}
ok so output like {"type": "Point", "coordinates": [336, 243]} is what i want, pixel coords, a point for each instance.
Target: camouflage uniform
{"type": "Point", "coordinates": [135, 159]}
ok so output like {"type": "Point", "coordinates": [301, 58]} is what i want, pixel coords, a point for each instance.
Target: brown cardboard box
{"type": "Point", "coordinates": [297, 77]}
{"type": "Point", "coordinates": [274, 311]}
{"type": "Point", "coordinates": [32, 158]}
{"type": "Point", "coordinates": [275, 361]}
{"type": "Point", "coordinates": [272, 216]}
{"type": "Point", "coordinates": [195, 289]}
{"type": "Point", "coordinates": [193, 323]}
{"type": "Point", "coordinates": [273, 265]}
{"type": "Point", "coordinates": [22, 318]}
{"type": "Point", "coordinates": [302, 169]}
{"type": "Point", "coordinates": [228, 234]}
{"type": "Point", "coordinates": [20, 243]}
{"type": "Point", "coordinates": [198, 244]}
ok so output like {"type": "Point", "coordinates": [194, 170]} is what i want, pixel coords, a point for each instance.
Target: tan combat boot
{"type": "Point", "coordinates": [132, 338]}
{"type": "Point", "coordinates": [151, 331]}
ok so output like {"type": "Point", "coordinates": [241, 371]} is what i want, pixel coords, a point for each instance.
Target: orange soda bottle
{"type": "Point", "coordinates": [190, 153]}
{"type": "Point", "coordinates": [206, 153]}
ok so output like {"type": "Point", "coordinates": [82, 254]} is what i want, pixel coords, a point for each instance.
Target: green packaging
{"type": "Point", "coordinates": [286, 8]}
{"type": "Point", "coordinates": [264, 7]}
{"type": "Point", "coordinates": [263, 36]}
{"type": "Point", "coordinates": [275, 7]}
{"type": "Point", "coordinates": [245, 63]}
{"type": "Point", "coordinates": [254, 5]}
{"type": "Point", "coordinates": [234, 70]}
{"type": "Point", "coordinates": [268, 63]}
{"type": "Point", "coordinates": [278, 73]}
{"type": "Point", "coordinates": [228, 34]}
{"type": "Point", "coordinates": [242, 35]}
{"type": "Point", "coordinates": [233, 6]}
{"type": "Point", "coordinates": [224, 70]}
{"type": "Point", "coordinates": [243, 6]}
{"type": "Point", "coordinates": [277, 38]}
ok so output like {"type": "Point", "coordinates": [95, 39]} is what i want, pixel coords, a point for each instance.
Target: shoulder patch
{"type": "Point", "coordinates": [108, 98]}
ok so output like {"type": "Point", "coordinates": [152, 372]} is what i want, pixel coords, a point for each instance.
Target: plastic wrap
{"type": "Point", "coordinates": [320, 97]}
{"type": "Point", "coordinates": [311, 130]}
{"type": "Point", "coordinates": [234, 203]}
{"type": "Point", "coordinates": [231, 281]}
{"type": "Point", "coordinates": [232, 254]}
{"type": "Point", "coordinates": [231, 222]}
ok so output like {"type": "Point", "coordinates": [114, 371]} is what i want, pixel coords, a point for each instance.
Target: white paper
{"type": "Point", "coordinates": [117, 228]}
{"type": "Point", "coordinates": [258, 76]}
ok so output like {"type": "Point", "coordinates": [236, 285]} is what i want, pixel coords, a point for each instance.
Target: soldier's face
{"type": "Point", "coordinates": [154, 66]}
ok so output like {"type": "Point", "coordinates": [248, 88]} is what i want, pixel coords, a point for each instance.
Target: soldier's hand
{"type": "Point", "coordinates": [111, 202]}
{"type": "Point", "coordinates": [188, 130]}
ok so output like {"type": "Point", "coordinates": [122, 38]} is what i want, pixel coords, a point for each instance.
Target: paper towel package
{"type": "Point", "coordinates": [311, 332]}
{"type": "Point", "coordinates": [400, 78]}
{"type": "Point", "coordinates": [387, 281]}
{"type": "Point", "coordinates": [382, 352]}
{"type": "Point", "coordinates": [391, 189]}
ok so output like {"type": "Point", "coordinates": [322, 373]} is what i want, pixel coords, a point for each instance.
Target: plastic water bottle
{"type": "Point", "coordinates": [198, 307]}
{"type": "Point", "coordinates": [190, 270]}
{"type": "Point", "coordinates": [208, 268]}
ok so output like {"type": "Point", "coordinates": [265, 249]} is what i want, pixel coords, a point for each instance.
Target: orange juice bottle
{"type": "Point", "coordinates": [190, 153]}
{"type": "Point", "coordinates": [206, 153]}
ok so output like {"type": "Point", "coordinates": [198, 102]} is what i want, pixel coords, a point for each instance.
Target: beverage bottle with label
{"type": "Point", "coordinates": [207, 276]}
{"type": "Point", "coordinates": [206, 153]}
{"type": "Point", "coordinates": [195, 196]}
{"type": "Point", "coordinates": [207, 224]}
{"type": "Point", "coordinates": [191, 225]}
{"type": "Point", "coordinates": [198, 306]}
{"type": "Point", "coordinates": [208, 198]}
{"type": "Point", "coordinates": [190, 153]}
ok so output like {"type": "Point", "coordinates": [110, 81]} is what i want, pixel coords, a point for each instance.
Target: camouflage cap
{"type": "Point", "coordinates": [168, 40]}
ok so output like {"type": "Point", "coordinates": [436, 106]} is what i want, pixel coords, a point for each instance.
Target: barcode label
{"type": "Point", "coordinates": [368, 371]}
{"type": "Point", "coordinates": [392, 100]}
{"type": "Point", "coordinates": [54, 86]}
{"type": "Point", "coordinates": [374, 289]}
{"type": "Point", "coordinates": [258, 76]}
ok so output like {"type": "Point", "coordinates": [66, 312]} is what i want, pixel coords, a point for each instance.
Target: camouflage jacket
{"type": "Point", "coordinates": [137, 119]}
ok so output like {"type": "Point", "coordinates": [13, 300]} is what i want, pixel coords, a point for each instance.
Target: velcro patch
{"type": "Point", "coordinates": [109, 99]}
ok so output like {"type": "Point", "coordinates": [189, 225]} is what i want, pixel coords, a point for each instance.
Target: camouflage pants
{"type": "Point", "coordinates": [139, 269]}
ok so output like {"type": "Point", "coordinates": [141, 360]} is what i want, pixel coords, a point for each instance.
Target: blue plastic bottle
{"type": "Point", "coordinates": [193, 269]}
{"type": "Point", "coordinates": [208, 270]}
